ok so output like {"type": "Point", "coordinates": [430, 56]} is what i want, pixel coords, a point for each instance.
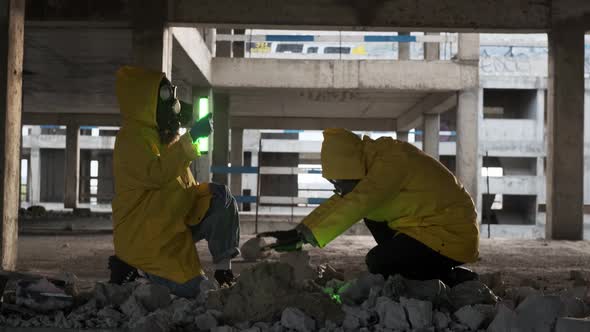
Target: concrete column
{"type": "Point", "coordinates": [35, 169]}
{"type": "Point", "coordinates": [469, 116]}
{"type": "Point", "coordinates": [237, 158]}
{"type": "Point", "coordinates": [468, 164]}
{"type": "Point", "coordinates": [540, 114]}
{"type": "Point", "coordinates": [220, 135]}
{"type": "Point", "coordinates": [403, 48]}
{"type": "Point", "coordinates": [565, 126]}
{"type": "Point", "coordinates": [432, 50]}
{"type": "Point", "coordinates": [202, 165]}
{"type": "Point", "coordinates": [152, 38]}
{"type": "Point", "coordinates": [72, 169]}
{"type": "Point", "coordinates": [431, 127]}
{"type": "Point", "coordinates": [12, 15]}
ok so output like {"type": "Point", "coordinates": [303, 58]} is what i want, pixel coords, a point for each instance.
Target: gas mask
{"type": "Point", "coordinates": [170, 113]}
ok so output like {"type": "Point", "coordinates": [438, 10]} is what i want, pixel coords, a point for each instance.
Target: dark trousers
{"type": "Point", "coordinates": [397, 253]}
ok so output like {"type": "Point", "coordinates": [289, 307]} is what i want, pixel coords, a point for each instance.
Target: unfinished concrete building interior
{"type": "Point", "coordinates": [498, 91]}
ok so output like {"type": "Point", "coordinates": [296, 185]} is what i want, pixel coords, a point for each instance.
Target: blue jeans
{"type": "Point", "coordinates": [221, 228]}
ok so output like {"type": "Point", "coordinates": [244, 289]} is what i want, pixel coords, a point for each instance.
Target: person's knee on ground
{"type": "Point", "coordinates": [221, 228]}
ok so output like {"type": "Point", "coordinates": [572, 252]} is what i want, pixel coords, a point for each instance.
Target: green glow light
{"type": "Point", "coordinates": [203, 112]}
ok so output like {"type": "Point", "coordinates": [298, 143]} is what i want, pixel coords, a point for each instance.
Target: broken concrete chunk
{"type": "Point", "coordinates": [504, 321]}
{"type": "Point", "coordinates": [467, 315]}
{"type": "Point", "coordinates": [539, 313]}
{"type": "Point", "coordinates": [251, 249]}
{"type": "Point", "coordinates": [157, 321]}
{"type": "Point", "coordinates": [295, 319]}
{"type": "Point", "coordinates": [471, 292]}
{"type": "Point", "coordinates": [206, 321]}
{"type": "Point", "coordinates": [133, 308]}
{"type": "Point", "coordinates": [152, 296]}
{"type": "Point", "coordinates": [441, 320]}
{"type": "Point", "coordinates": [110, 294]}
{"type": "Point", "coordinates": [109, 312]}
{"type": "Point", "coordinates": [359, 289]}
{"type": "Point", "coordinates": [224, 328]}
{"type": "Point", "coordinates": [351, 323]}
{"type": "Point", "coordinates": [391, 314]}
{"type": "Point", "coordinates": [419, 312]}
{"type": "Point", "coordinates": [574, 307]}
{"type": "Point", "coordinates": [572, 325]}
{"type": "Point", "coordinates": [300, 261]}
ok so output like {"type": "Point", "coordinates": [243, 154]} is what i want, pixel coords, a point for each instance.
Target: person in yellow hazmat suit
{"type": "Point", "coordinates": [423, 220]}
{"type": "Point", "coordinates": [159, 210]}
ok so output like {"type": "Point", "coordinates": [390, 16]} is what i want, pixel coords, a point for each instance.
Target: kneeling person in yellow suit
{"type": "Point", "coordinates": [159, 210]}
{"type": "Point", "coordinates": [423, 220]}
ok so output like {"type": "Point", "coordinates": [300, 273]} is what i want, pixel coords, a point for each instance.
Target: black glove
{"type": "Point", "coordinates": [202, 128]}
{"type": "Point", "coordinates": [291, 240]}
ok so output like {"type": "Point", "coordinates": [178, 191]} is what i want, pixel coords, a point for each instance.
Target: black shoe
{"type": "Point", "coordinates": [459, 275]}
{"type": "Point", "coordinates": [121, 272]}
{"type": "Point", "coordinates": [225, 277]}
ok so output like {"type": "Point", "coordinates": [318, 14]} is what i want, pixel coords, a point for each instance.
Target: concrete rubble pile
{"type": "Point", "coordinates": [270, 297]}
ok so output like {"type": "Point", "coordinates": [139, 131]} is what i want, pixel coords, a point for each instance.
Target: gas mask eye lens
{"type": "Point", "coordinates": [167, 92]}
{"type": "Point", "coordinates": [176, 107]}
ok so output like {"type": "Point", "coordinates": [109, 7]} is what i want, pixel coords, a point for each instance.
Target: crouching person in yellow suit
{"type": "Point", "coordinates": [159, 211]}
{"type": "Point", "coordinates": [422, 219]}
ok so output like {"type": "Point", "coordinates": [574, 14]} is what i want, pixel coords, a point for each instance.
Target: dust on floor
{"type": "Point", "coordinates": [522, 262]}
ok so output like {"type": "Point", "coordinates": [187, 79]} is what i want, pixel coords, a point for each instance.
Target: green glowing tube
{"type": "Point", "coordinates": [203, 106]}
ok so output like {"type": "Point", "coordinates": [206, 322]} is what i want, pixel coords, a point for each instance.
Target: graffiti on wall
{"type": "Point", "coordinates": [511, 60]}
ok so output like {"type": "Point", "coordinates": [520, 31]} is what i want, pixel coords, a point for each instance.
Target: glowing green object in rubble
{"type": "Point", "coordinates": [334, 292]}
{"type": "Point", "coordinates": [203, 106]}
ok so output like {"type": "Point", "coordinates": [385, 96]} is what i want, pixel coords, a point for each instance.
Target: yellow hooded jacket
{"type": "Point", "coordinates": [400, 185]}
{"type": "Point", "coordinates": [156, 196]}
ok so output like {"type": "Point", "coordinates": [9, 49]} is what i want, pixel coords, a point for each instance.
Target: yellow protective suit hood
{"type": "Point", "coordinates": [156, 196]}
{"type": "Point", "coordinates": [399, 185]}
{"type": "Point", "coordinates": [342, 155]}
{"type": "Point", "coordinates": [137, 92]}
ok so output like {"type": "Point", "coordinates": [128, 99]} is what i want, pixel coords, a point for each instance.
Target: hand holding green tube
{"type": "Point", "coordinates": [202, 128]}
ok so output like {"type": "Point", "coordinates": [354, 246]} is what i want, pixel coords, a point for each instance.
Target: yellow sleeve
{"type": "Point", "coordinates": [148, 167]}
{"type": "Point", "coordinates": [384, 180]}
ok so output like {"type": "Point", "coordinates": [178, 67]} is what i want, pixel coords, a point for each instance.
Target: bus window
{"type": "Point", "coordinates": [313, 49]}
{"type": "Point", "coordinates": [337, 50]}
{"type": "Point", "coordinates": [289, 48]}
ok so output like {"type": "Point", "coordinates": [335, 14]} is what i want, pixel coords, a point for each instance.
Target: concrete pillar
{"type": "Point", "coordinates": [12, 14]}
{"type": "Point", "coordinates": [432, 50]}
{"type": "Point", "coordinates": [469, 116]}
{"type": "Point", "coordinates": [403, 48]}
{"type": "Point", "coordinates": [237, 159]}
{"type": "Point", "coordinates": [35, 169]}
{"type": "Point", "coordinates": [152, 38]}
{"type": "Point", "coordinates": [430, 137]}
{"type": "Point", "coordinates": [468, 161]}
{"type": "Point", "coordinates": [402, 136]}
{"type": "Point", "coordinates": [540, 114]}
{"type": "Point", "coordinates": [202, 166]}
{"type": "Point", "coordinates": [72, 169]}
{"type": "Point", "coordinates": [220, 135]}
{"type": "Point", "coordinates": [565, 126]}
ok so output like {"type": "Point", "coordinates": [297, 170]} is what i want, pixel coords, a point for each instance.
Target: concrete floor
{"type": "Point", "coordinates": [522, 262]}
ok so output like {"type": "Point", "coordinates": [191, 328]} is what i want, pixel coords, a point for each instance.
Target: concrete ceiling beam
{"type": "Point", "coordinates": [435, 103]}
{"type": "Point", "coordinates": [191, 59]}
{"type": "Point", "coordinates": [335, 74]}
{"type": "Point", "coordinates": [71, 118]}
{"type": "Point", "coordinates": [393, 15]}
{"type": "Point", "coordinates": [296, 123]}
